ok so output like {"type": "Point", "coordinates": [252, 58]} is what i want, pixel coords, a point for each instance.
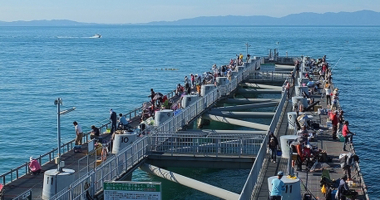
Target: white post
{"type": "Point", "coordinates": [58, 102]}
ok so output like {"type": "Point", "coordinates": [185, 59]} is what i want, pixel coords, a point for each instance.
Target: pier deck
{"type": "Point", "coordinates": [35, 182]}
{"type": "Point", "coordinates": [325, 142]}
{"type": "Point", "coordinates": [165, 144]}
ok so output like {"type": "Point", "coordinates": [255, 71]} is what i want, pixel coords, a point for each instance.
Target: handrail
{"type": "Point", "coordinates": [20, 171]}
{"type": "Point", "coordinates": [111, 169]}
{"type": "Point", "coordinates": [171, 125]}
{"type": "Point", "coordinates": [257, 165]}
{"type": "Point", "coordinates": [131, 155]}
{"type": "Point", "coordinates": [24, 195]}
{"type": "Point", "coordinates": [206, 144]}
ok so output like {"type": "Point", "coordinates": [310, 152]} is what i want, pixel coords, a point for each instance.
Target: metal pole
{"type": "Point", "coordinates": [246, 44]}
{"type": "Point", "coordinates": [58, 103]}
{"type": "Point", "coordinates": [290, 160]}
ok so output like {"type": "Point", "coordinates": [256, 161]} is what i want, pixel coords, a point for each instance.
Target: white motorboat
{"type": "Point", "coordinates": [97, 36]}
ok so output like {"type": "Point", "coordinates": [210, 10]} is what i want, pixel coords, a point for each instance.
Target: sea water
{"type": "Point", "coordinates": [40, 64]}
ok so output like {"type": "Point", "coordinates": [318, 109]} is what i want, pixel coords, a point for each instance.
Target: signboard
{"type": "Point", "coordinates": [129, 190]}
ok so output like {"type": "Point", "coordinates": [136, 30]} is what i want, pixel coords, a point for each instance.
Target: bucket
{"type": "Point", "coordinates": [279, 153]}
{"type": "Point", "coordinates": [341, 138]}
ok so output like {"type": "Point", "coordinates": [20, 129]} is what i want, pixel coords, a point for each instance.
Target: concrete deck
{"type": "Point", "coordinates": [324, 142]}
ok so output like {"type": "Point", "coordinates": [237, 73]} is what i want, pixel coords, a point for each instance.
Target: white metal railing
{"type": "Point", "coordinates": [131, 155]}
{"type": "Point", "coordinates": [44, 159]}
{"type": "Point", "coordinates": [172, 125]}
{"type": "Point", "coordinates": [257, 165]}
{"type": "Point", "coordinates": [189, 113]}
{"type": "Point", "coordinates": [205, 144]}
{"type": "Point", "coordinates": [24, 195]}
{"type": "Point", "coordinates": [92, 182]}
{"type": "Point", "coordinates": [111, 169]}
{"type": "Point", "coordinates": [271, 75]}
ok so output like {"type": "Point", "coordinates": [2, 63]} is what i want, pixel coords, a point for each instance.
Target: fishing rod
{"type": "Point", "coordinates": [336, 64]}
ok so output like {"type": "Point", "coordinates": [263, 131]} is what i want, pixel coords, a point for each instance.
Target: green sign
{"type": "Point", "coordinates": [126, 190]}
{"type": "Point", "coordinates": [132, 186]}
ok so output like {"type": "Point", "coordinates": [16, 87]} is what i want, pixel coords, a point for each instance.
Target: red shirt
{"type": "Point", "coordinates": [334, 120]}
{"type": "Point", "coordinates": [324, 67]}
{"type": "Point", "coordinates": [345, 130]}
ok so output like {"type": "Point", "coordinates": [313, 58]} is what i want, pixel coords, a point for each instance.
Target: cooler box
{"type": "Point", "coordinates": [316, 107]}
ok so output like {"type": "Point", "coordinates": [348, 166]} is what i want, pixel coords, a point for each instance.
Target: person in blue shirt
{"type": "Point", "coordinates": [123, 123]}
{"type": "Point", "coordinates": [277, 187]}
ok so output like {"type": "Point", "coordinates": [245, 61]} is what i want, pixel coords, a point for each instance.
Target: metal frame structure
{"type": "Point", "coordinates": [162, 139]}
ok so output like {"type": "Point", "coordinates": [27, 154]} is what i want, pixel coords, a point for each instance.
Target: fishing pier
{"type": "Point", "coordinates": [253, 100]}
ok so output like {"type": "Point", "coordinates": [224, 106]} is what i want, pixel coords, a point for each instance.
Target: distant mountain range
{"type": "Point", "coordinates": [45, 23]}
{"type": "Point", "coordinates": [358, 18]}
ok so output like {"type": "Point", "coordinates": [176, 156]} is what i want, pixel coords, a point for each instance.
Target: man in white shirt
{"type": "Point", "coordinates": [328, 94]}
{"type": "Point", "coordinates": [79, 133]}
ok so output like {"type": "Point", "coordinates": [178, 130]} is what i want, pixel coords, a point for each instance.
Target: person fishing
{"type": "Point", "coordinates": [278, 187]}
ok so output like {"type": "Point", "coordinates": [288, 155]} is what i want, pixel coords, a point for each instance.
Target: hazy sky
{"type": "Point", "coordinates": [141, 11]}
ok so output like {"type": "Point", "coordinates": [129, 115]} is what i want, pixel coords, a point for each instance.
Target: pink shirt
{"type": "Point", "coordinates": [34, 165]}
{"type": "Point", "coordinates": [345, 130]}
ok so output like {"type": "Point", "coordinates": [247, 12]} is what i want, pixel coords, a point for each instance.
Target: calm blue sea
{"type": "Point", "coordinates": [39, 64]}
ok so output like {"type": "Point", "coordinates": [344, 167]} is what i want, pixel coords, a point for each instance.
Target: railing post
{"type": "Point", "coordinates": [241, 147]}
{"type": "Point", "coordinates": [132, 156]}
{"type": "Point", "coordinates": [26, 168]}
{"type": "Point", "coordinates": [217, 146]}
{"type": "Point", "coordinates": [88, 163]}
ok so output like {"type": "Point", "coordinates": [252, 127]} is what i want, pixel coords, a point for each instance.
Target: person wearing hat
{"type": "Point", "coordinates": [272, 144]}
{"type": "Point", "coordinates": [34, 166]}
{"type": "Point", "coordinates": [342, 189]}
{"type": "Point", "coordinates": [95, 132]}
{"type": "Point", "coordinates": [277, 187]}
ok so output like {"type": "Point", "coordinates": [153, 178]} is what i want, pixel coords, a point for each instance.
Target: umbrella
{"type": "Point", "coordinates": [158, 96]}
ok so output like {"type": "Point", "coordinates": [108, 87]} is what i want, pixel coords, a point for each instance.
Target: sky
{"type": "Point", "coordinates": [143, 11]}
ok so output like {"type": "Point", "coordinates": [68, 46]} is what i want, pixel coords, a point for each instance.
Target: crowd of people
{"type": "Point", "coordinates": [191, 86]}
{"type": "Point", "coordinates": [319, 75]}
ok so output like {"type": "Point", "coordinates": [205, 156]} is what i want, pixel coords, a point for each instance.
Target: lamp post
{"type": "Point", "coordinates": [278, 48]}
{"type": "Point", "coordinates": [58, 103]}
{"type": "Point", "coordinates": [248, 45]}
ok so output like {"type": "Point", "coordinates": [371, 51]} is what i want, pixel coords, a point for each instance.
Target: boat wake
{"type": "Point", "coordinates": [96, 36]}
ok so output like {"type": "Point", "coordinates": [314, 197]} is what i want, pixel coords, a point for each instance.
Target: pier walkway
{"type": "Point", "coordinates": [310, 180]}
{"type": "Point", "coordinates": [171, 141]}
